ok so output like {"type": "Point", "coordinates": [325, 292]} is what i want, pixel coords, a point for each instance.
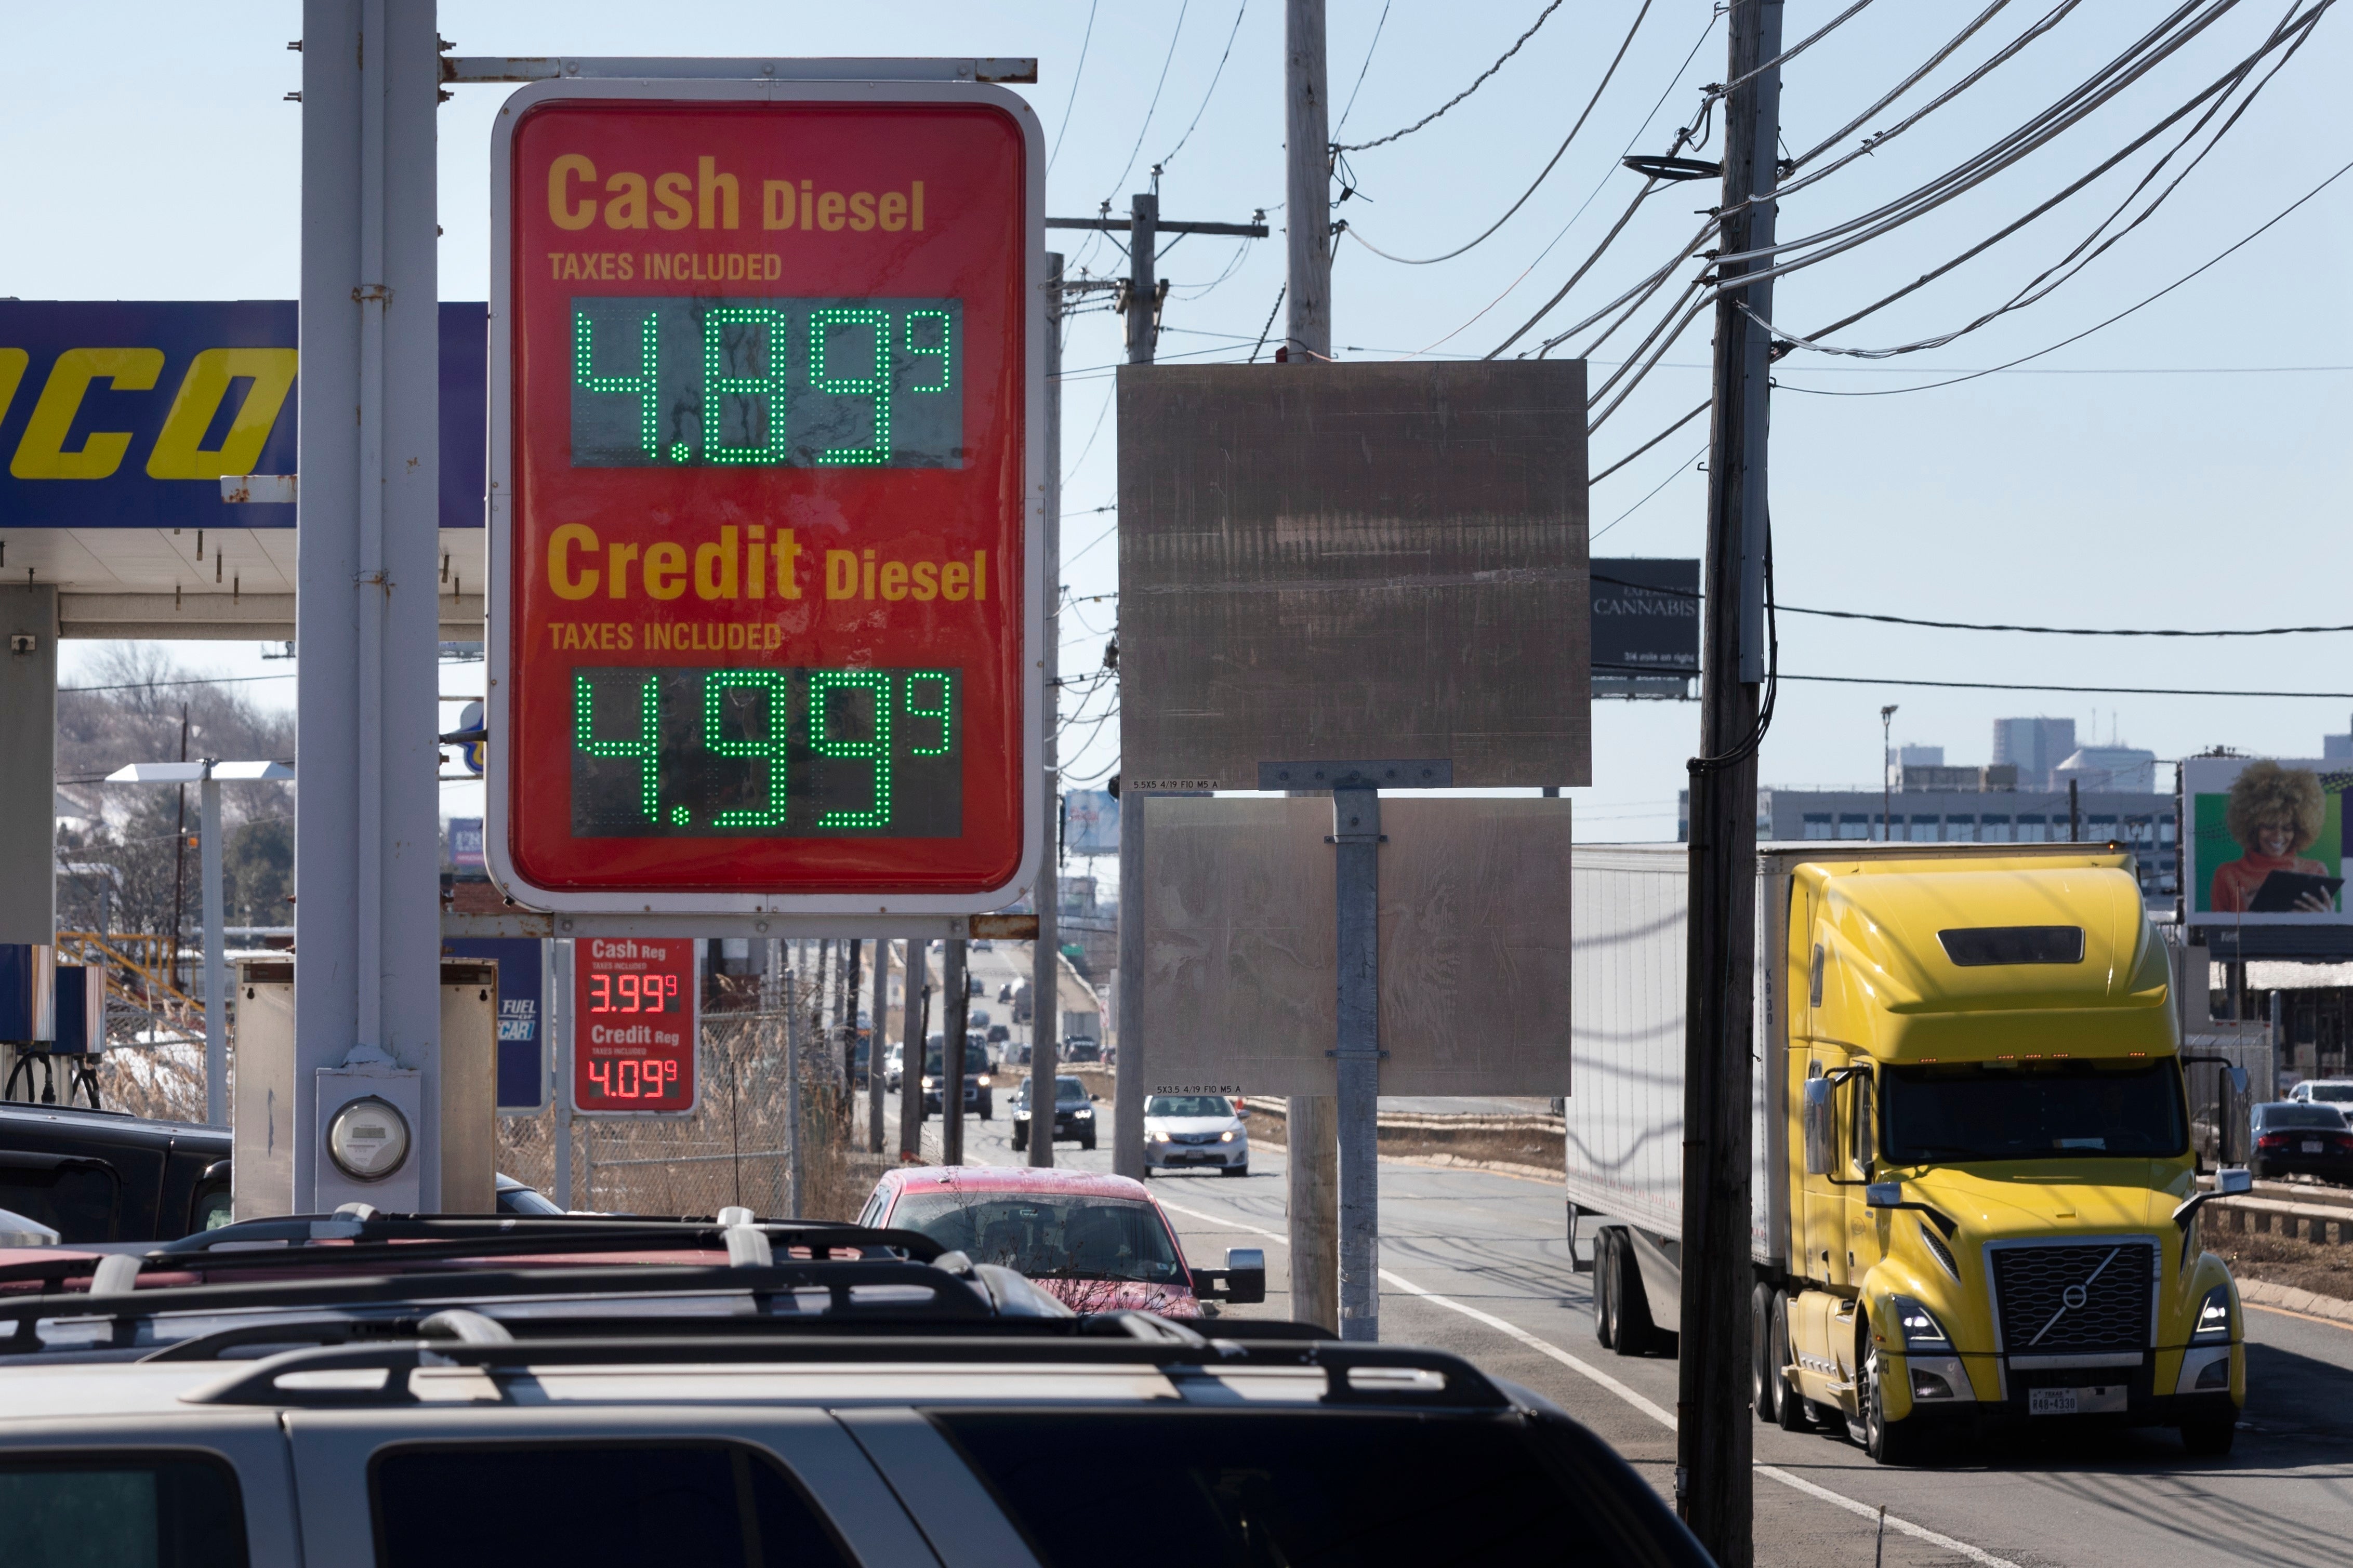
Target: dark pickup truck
{"type": "Point", "coordinates": [101, 1175]}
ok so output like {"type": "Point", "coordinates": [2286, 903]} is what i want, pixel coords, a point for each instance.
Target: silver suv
{"type": "Point", "coordinates": [424, 1392]}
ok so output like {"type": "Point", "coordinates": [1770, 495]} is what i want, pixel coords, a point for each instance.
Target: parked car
{"type": "Point", "coordinates": [1187, 1130]}
{"type": "Point", "coordinates": [1080, 1048]}
{"type": "Point", "coordinates": [1096, 1242]}
{"type": "Point", "coordinates": [516, 1198]}
{"type": "Point", "coordinates": [2325, 1091]}
{"type": "Point", "coordinates": [1074, 1114]}
{"type": "Point", "coordinates": [412, 1421]}
{"type": "Point", "coordinates": [101, 1175]}
{"type": "Point", "coordinates": [2305, 1138]}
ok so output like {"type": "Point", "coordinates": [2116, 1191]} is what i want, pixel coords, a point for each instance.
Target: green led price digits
{"type": "Point", "coordinates": [721, 752]}
{"type": "Point", "coordinates": [743, 383]}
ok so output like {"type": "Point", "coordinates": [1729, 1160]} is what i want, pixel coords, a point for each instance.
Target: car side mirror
{"type": "Point", "coordinates": [2235, 1182]}
{"type": "Point", "coordinates": [1242, 1111]}
{"type": "Point", "coordinates": [1818, 1126]}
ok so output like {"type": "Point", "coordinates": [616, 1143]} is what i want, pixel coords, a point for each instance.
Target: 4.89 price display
{"type": "Point", "coordinates": [633, 1027]}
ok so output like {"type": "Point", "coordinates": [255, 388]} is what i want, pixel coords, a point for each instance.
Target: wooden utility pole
{"type": "Point", "coordinates": [1714, 1434]}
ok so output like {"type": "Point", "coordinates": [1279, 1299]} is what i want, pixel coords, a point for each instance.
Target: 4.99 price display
{"type": "Point", "coordinates": [634, 1014]}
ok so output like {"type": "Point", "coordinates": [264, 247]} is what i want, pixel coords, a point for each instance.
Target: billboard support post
{"type": "Point", "coordinates": [367, 911]}
{"type": "Point", "coordinates": [560, 1016]}
{"type": "Point", "coordinates": [874, 1045]}
{"type": "Point", "coordinates": [1357, 841]}
{"type": "Point", "coordinates": [915, 991]}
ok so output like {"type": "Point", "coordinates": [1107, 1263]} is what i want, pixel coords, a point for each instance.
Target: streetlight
{"type": "Point", "coordinates": [1886, 782]}
{"type": "Point", "coordinates": [208, 774]}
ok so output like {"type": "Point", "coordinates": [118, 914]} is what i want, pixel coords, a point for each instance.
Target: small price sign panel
{"type": "Point", "coordinates": [635, 1010]}
{"type": "Point", "coordinates": [767, 371]}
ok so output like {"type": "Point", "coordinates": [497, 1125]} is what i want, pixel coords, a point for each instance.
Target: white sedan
{"type": "Point", "coordinates": [1194, 1130]}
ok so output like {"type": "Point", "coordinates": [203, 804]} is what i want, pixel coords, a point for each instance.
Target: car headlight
{"type": "Point", "coordinates": [1082, 1116]}
{"type": "Point", "coordinates": [2213, 1324]}
{"type": "Point", "coordinates": [983, 1080]}
{"type": "Point", "coordinates": [1156, 1137]}
{"type": "Point", "coordinates": [929, 1083]}
{"type": "Point", "coordinates": [1918, 1325]}
{"type": "Point", "coordinates": [1226, 1137]}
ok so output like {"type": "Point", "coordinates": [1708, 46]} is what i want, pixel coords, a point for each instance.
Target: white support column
{"type": "Point", "coordinates": [209, 846]}
{"type": "Point", "coordinates": [29, 753]}
{"type": "Point", "coordinates": [367, 828]}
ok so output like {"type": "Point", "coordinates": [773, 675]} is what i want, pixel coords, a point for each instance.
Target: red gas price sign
{"type": "Point", "coordinates": [765, 383]}
{"type": "Point", "coordinates": [634, 1008]}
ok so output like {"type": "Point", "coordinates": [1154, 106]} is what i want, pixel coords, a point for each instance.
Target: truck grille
{"type": "Point", "coordinates": [2060, 1299]}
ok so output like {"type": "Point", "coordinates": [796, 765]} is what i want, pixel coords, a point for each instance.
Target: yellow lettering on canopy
{"type": "Point", "coordinates": [12, 372]}
{"type": "Point", "coordinates": [40, 455]}
{"type": "Point", "coordinates": [560, 578]}
{"type": "Point", "coordinates": [179, 452]}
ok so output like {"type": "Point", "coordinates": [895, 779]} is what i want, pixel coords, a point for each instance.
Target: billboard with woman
{"type": "Point", "coordinates": [2264, 840]}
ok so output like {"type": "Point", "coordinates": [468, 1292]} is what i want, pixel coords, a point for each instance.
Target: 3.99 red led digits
{"type": "Point", "coordinates": [633, 992]}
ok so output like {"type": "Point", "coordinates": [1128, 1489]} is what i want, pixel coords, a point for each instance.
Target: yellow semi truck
{"type": "Point", "coordinates": [1975, 1195]}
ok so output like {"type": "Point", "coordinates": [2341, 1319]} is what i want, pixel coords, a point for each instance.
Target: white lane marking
{"type": "Point", "coordinates": [1648, 1406]}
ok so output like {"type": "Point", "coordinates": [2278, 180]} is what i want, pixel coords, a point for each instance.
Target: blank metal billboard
{"type": "Point", "coordinates": [1240, 964]}
{"type": "Point", "coordinates": [1345, 562]}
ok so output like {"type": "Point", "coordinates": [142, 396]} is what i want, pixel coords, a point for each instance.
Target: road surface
{"type": "Point", "coordinates": [1475, 1262]}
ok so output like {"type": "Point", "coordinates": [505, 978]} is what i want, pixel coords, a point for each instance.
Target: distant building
{"type": "Point", "coordinates": [1900, 758]}
{"type": "Point", "coordinates": [2335, 748]}
{"type": "Point", "coordinates": [2142, 822]}
{"type": "Point", "coordinates": [2004, 776]}
{"type": "Point", "coordinates": [2033, 746]}
{"type": "Point", "coordinates": [2126, 768]}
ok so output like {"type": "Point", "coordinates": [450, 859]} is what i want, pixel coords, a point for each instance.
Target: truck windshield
{"type": "Point", "coordinates": [1949, 1114]}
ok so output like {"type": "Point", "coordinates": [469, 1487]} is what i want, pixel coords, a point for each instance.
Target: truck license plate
{"type": "Point", "coordinates": [2096, 1401]}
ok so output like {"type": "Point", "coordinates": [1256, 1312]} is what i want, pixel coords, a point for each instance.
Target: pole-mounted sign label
{"type": "Point", "coordinates": [766, 365]}
{"type": "Point", "coordinates": [636, 1005]}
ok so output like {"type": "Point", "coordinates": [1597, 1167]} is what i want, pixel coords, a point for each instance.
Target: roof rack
{"type": "Point", "coordinates": [1142, 1340]}
{"type": "Point", "coordinates": [468, 1235]}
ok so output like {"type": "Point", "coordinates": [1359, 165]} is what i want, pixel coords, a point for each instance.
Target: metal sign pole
{"type": "Point", "coordinates": [793, 1164]}
{"type": "Point", "coordinates": [910, 1051]}
{"type": "Point", "coordinates": [1046, 957]}
{"type": "Point", "coordinates": [366, 864]}
{"type": "Point", "coordinates": [1357, 841]}
{"type": "Point", "coordinates": [215, 970]}
{"type": "Point", "coordinates": [952, 1065]}
{"type": "Point", "coordinates": [559, 1022]}
{"type": "Point", "coordinates": [874, 1045]}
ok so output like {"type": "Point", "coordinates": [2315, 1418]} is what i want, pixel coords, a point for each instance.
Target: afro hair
{"type": "Point", "coordinates": [2266, 793]}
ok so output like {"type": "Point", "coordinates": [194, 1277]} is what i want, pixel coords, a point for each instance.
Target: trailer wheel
{"type": "Point", "coordinates": [1605, 1275]}
{"type": "Point", "coordinates": [1635, 1333]}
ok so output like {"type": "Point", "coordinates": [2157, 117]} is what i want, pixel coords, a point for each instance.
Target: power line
{"type": "Point", "coordinates": [1680, 470]}
{"type": "Point", "coordinates": [1476, 85]}
{"type": "Point", "coordinates": [1542, 175]}
{"type": "Point", "coordinates": [2087, 331]}
{"type": "Point", "coordinates": [1996, 625]}
{"type": "Point", "coordinates": [1152, 108]}
{"type": "Point", "coordinates": [2038, 289]}
{"type": "Point", "coordinates": [2029, 686]}
{"type": "Point", "coordinates": [1369, 48]}
{"type": "Point", "coordinates": [185, 681]}
{"type": "Point", "coordinates": [1077, 73]}
{"type": "Point", "coordinates": [1170, 157]}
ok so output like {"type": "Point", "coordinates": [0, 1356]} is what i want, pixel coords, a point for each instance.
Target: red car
{"type": "Point", "coordinates": [1099, 1243]}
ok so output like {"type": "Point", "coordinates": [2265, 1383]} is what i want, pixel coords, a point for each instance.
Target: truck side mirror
{"type": "Point", "coordinates": [2234, 1182]}
{"type": "Point", "coordinates": [1245, 1274]}
{"type": "Point", "coordinates": [1883, 1194]}
{"type": "Point", "coordinates": [1818, 1126]}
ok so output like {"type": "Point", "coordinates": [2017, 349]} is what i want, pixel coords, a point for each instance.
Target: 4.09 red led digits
{"type": "Point", "coordinates": [635, 1020]}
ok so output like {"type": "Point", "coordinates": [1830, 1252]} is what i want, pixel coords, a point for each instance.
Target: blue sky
{"type": "Point", "coordinates": [2182, 467]}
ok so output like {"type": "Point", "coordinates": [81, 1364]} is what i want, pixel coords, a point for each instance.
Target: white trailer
{"type": "Point", "coordinates": [1625, 1110]}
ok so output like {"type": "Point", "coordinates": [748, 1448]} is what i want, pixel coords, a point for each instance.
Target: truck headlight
{"type": "Point", "coordinates": [2213, 1324]}
{"type": "Point", "coordinates": [1918, 1325]}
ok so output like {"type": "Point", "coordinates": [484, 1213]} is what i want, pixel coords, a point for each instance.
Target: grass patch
{"type": "Point", "coordinates": [2320, 1267]}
